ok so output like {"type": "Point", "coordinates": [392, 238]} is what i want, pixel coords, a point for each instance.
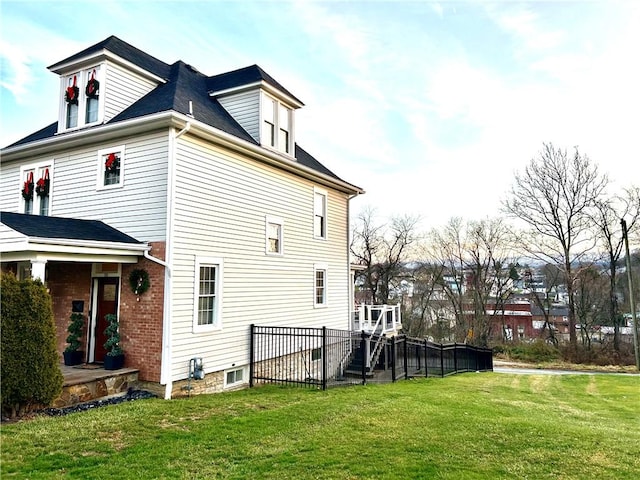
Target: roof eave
{"type": "Point", "coordinates": [276, 92]}
{"type": "Point", "coordinates": [67, 67]}
{"type": "Point", "coordinates": [174, 119]}
{"type": "Point", "coordinates": [98, 133]}
{"type": "Point", "coordinates": [272, 158]}
{"type": "Point", "coordinates": [57, 249]}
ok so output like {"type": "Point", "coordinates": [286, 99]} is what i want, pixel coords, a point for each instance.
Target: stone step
{"type": "Point", "coordinates": [83, 384]}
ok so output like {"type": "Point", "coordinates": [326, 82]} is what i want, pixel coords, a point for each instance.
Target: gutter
{"type": "Point", "coordinates": [106, 132]}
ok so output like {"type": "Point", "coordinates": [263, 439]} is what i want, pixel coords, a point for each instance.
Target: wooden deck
{"type": "Point", "coordinates": [83, 383]}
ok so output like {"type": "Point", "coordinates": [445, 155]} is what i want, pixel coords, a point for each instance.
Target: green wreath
{"type": "Point", "coordinates": [139, 281]}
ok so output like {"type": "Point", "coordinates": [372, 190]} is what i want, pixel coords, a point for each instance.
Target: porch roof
{"type": "Point", "coordinates": [41, 238]}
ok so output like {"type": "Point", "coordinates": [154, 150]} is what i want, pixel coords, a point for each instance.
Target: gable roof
{"type": "Point", "coordinates": [41, 226]}
{"type": "Point", "coordinates": [122, 49]}
{"type": "Point", "coordinates": [185, 84]}
{"type": "Point", "coordinates": [244, 76]}
{"type": "Point", "coordinates": [182, 84]}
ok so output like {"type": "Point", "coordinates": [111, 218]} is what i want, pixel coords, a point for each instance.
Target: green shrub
{"type": "Point", "coordinates": [30, 373]}
{"type": "Point", "coordinates": [112, 345]}
{"type": "Point", "coordinates": [535, 352]}
{"type": "Point", "coordinates": [75, 332]}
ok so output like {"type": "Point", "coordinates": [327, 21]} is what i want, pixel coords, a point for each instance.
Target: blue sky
{"type": "Point", "coordinates": [428, 106]}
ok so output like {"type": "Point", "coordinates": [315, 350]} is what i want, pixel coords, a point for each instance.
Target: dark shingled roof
{"type": "Point", "coordinates": [68, 228]}
{"type": "Point", "coordinates": [244, 76]}
{"type": "Point", "coordinates": [124, 50]}
{"type": "Point", "coordinates": [183, 84]}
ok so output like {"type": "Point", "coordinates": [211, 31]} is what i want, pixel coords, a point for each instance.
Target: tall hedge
{"type": "Point", "coordinates": [30, 367]}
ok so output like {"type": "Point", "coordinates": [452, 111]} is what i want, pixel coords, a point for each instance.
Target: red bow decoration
{"type": "Point", "coordinates": [27, 190]}
{"type": "Point", "coordinates": [71, 95]}
{"type": "Point", "coordinates": [92, 86]}
{"type": "Point", "coordinates": [112, 162]}
{"type": "Point", "coordinates": [42, 185]}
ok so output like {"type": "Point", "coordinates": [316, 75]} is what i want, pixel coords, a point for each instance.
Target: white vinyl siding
{"type": "Point", "coordinates": [121, 89]}
{"type": "Point", "coordinates": [219, 210]}
{"type": "Point", "coordinates": [245, 109]}
{"type": "Point", "coordinates": [141, 202]}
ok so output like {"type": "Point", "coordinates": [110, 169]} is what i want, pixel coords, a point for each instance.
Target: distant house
{"type": "Point", "coordinates": [195, 184]}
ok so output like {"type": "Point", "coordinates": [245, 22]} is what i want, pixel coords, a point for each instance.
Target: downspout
{"type": "Point", "coordinates": [148, 256]}
{"type": "Point", "coordinates": [165, 371]}
{"type": "Point", "coordinates": [349, 277]}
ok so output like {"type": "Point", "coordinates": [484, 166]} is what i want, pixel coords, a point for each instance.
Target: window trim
{"type": "Point", "coordinates": [320, 267]}
{"type": "Point", "coordinates": [276, 221]}
{"type": "Point", "coordinates": [217, 321]}
{"type": "Point", "coordinates": [101, 170]}
{"type": "Point", "coordinates": [235, 384]}
{"type": "Point", "coordinates": [319, 191]}
{"type": "Point", "coordinates": [273, 143]}
{"type": "Point", "coordinates": [82, 77]}
{"type": "Point", "coordinates": [38, 170]}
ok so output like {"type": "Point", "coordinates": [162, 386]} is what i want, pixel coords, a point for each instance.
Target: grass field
{"type": "Point", "coordinates": [471, 426]}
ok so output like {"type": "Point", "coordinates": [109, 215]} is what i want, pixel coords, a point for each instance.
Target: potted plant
{"type": "Point", "coordinates": [114, 359]}
{"type": "Point", "coordinates": [73, 356]}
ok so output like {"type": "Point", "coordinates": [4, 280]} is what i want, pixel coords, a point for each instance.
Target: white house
{"type": "Point", "coordinates": [195, 183]}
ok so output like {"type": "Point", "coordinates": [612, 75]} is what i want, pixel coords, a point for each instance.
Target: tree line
{"type": "Point", "coordinates": [559, 214]}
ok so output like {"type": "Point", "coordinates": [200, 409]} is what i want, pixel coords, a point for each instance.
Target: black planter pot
{"type": "Point", "coordinates": [73, 358]}
{"type": "Point", "coordinates": [114, 362]}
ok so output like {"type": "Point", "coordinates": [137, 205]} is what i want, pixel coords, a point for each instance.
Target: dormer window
{"type": "Point", "coordinates": [81, 99]}
{"type": "Point", "coordinates": [277, 120]}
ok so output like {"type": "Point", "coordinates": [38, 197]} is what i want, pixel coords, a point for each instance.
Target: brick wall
{"type": "Point", "coordinates": [66, 282]}
{"type": "Point", "coordinates": [141, 317]}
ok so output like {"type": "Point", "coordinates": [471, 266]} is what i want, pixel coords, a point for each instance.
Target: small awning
{"type": "Point", "coordinates": [42, 238]}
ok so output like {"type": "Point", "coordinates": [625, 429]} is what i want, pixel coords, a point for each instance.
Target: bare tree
{"type": "Point", "coordinates": [591, 299]}
{"type": "Point", "coordinates": [551, 274]}
{"type": "Point", "coordinates": [474, 267]}
{"type": "Point", "coordinates": [553, 196]}
{"type": "Point", "coordinates": [489, 258]}
{"type": "Point", "coordinates": [424, 305]}
{"type": "Point", "coordinates": [447, 249]}
{"type": "Point", "coordinates": [382, 250]}
{"type": "Point", "coordinates": [606, 217]}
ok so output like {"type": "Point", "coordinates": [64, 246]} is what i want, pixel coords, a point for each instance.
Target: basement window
{"type": "Point", "coordinates": [235, 377]}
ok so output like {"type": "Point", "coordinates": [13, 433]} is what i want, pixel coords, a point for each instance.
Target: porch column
{"type": "Point", "coordinates": [37, 269]}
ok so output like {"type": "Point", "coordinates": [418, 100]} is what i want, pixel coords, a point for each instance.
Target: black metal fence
{"type": "Point", "coordinates": [323, 357]}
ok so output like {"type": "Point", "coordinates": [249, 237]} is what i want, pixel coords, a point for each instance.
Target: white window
{"type": "Point", "coordinates": [277, 123]}
{"type": "Point", "coordinates": [235, 377]}
{"type": "Point", "coordinates": [319, 213]}
{"type": "Point", "coordinates": [320, 285]}
{"type": "Point", "coordinates": [274, 229]}
{"type": "Point", "coordinates": [35, 188]}
{"type": "Point", "coordinates": [207, 294]}
{"type": "Point", "coordinates": [284, 120]}
{"type": "Point", "coordinates": [81, 99]}
{"type": "Point", "coordinates": [111, 167]}
{"type": "Point", "coordinates": [269, 121]}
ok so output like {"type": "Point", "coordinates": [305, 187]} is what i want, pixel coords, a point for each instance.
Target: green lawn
{"type": "Point", "coordinates": [479, 426]}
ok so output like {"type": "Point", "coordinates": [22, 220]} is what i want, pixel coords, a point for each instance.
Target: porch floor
{"type": "Point", "coordinates": [83, 383]}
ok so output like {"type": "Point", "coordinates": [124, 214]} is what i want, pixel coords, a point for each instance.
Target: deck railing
{"type": "Point", "coordinates": [380, 319]}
